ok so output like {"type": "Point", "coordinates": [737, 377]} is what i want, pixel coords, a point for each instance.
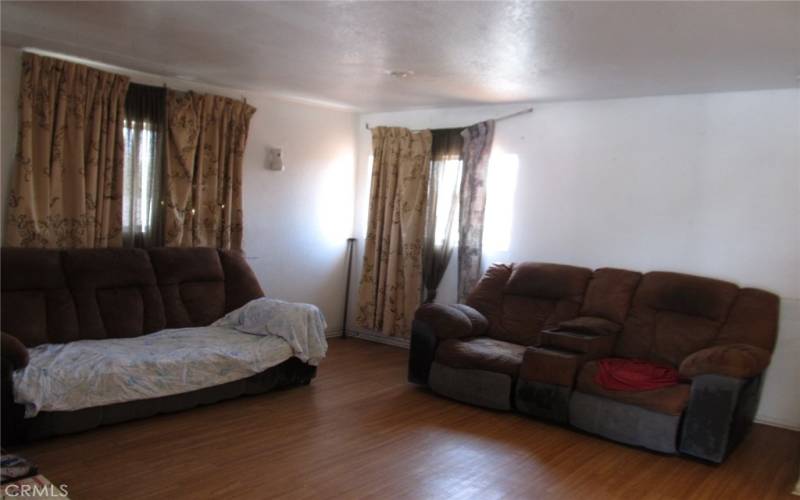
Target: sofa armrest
{"type": "Point", "coordinates": [13, 351]}
{"type": "Point", "coordinates": [452, 321]}
{"type": "Point", "coordinates": [718, 416]}
{"type": "Point", "coordinates": [733, 360]}
{"type": "Point", "coordinates": [545, 382]}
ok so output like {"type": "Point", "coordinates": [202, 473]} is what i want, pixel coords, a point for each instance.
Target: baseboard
{"type": "Point", "coordinates": [776, 423]}
{"type": "Point", "coordinates": [379, 338]}
{"type": "Point", "coordinates": [330, 334]}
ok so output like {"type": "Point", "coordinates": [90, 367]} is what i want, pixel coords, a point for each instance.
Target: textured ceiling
{"type": "Point", "coordinates": [461, 53]}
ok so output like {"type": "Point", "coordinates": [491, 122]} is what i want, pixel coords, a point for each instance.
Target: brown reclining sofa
{"type": "Point", "coordinates": [530, 335]}
{"type": "Point", "coordinates": [52, 296]}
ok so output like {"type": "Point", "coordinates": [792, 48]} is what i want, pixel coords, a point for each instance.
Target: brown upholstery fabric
{"type": "Point", "coordinates": [487, 296]}
{"type": "Point", "coordinates": [521, 300]}
{"type": "Point", "coordinates": [669, 400]}
{"type": "Point", "coordinates": [686, 294]}
{"type": "Point", "coordinates": [548, 281]}
{"type": "Point", "coordinates": [446, 321]}
{"type": "Point", "coordinates": [479, 322]}
{"type": "Point", "coordinates": [734, 360]}
{"type": "Point", "coordinates": [52, 296]}
{"type": "Point", "coordinates": [115, 292]}
{"type": "Point", "coordinates": [593, 346]}
{"type": "Point", "coordinates": [36, 304]}
{"type": "Point", "coordinates": [549, 366]}
{"type": "Point", "coordinates": [192, 285]}
{"type": "Point", "coordinates": [13, 350]}
{"type": "Point", "coordinates": [609, 293]}
{"type": "Point", "coordinates": [589, 324]}
{"type": "Point", "coordinates": [241, 284]}
{"type": "Point", "coordinates": [482, 353]}
{"type": "Point", "coordinates": [674, 315]}
{"type": "Point", "coordinates": [753, 320]}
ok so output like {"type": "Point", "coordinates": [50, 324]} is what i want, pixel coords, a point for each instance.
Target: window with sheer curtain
{"type": "Point", "coordinates": [143, 135]}
{"type": "Point", "coordinates": [442, 210]}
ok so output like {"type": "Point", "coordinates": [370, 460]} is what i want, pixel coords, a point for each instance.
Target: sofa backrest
{"type": "Point", "coordinates": [52, 296]}
{"type": "Point", "coordinates": [674, 315]}
{"type": "Point", "coordinates": [36, 305]}
{"type": "Point", "coordinates": [609, 294]}
{"type": "Point", "coordinates": [114, 292]}
{"type": "Point", "coordinates": [664, 316]}
{"type": "Point", "coordinates": [520, 300]}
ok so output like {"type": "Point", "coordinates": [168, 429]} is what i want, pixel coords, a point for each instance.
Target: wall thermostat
{"type": "Point", "coordinates": [275, 159]}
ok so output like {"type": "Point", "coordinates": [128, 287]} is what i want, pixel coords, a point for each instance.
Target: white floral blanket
{"type": "Point", "coordinates": [301, 325]}
{"type": "Point", "coordinates": [88, 373]}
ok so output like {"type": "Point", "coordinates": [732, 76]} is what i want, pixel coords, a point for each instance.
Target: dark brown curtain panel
{"type": "Point", "coordinates": [145, 114]}
{"type": "Point", "coordinates": [441, 217]}
{"type": "Point", "coordinates": [390, 289]}
{"type": "Point", "coordinates": [477, 149]}
{"type": "Point", "coordinates": [206, 139]}
{"type": "Point", "coordinates": [67, 185]}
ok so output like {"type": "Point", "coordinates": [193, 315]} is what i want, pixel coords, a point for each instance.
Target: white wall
{"type": "Point", "coordinates": [296, 221]}
{"type": "Point", "coordinates": [703, 184]}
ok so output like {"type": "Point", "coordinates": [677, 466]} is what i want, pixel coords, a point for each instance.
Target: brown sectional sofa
{"type": "Point", "coordinates": [51, 296]}
{"type": "Point", "coordinates": [530, 336]}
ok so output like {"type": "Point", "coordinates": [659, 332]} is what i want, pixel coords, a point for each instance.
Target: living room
{"type": "Point", "coordinates": [633, 163]}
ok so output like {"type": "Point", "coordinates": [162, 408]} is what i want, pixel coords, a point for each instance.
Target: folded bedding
{"type": "Point", "coordinates": [89, 373]}
{"type": "Point", "coordinates": [301, 325]}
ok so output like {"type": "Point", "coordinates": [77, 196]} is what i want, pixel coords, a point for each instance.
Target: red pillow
{"type": "Point", "coordinates": [619, 374]}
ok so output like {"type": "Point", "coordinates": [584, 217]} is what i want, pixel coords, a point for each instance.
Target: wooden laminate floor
{"type": "Point", "coordinates": [360, 431]}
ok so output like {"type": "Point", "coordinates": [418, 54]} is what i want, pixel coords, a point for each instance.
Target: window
{"type": "Point", "coordinates": [501, 185]}
{"type": "Point", "coordinates": [139, 174]}
{"type": "Point", "coordinates": [447, 199]}
{"type": "Point", "coordinates": [143, 136]}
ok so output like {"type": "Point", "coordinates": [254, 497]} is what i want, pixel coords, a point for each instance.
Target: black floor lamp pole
{"type": "Point", "coordinates": [350, 243]}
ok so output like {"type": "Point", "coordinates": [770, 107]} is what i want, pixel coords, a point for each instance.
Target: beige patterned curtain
{"type": "Point", "coordinates": [206, 138]}
{"type": "Point", "coordinates": [391, 280]}
{"type": "Point", "coordinates": [67, 185]}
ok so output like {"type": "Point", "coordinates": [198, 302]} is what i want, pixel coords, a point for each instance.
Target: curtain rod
{"type": "Point", "coordinates": [505, 117]}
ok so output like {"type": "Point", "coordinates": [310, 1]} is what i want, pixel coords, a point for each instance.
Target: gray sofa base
{"type": "Point", "coordinates": [624, 423]}
{"type": "Point", "coordinates": [477, 387]}
{"type": "Point", "coordinates": [47, 424]}
{"type": "Point", "coordinates": [720, 412]}
{"type": "Point", "coordinates": [542, 400]}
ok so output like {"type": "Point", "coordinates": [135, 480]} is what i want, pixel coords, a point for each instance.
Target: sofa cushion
{"type": "Point", "coordinates": [13, 350]}
{"type": "Point", "coordinates": [37, 307]}
{"type": "Point", "coordinates": [668, 400]}
{"type": "Point", "coordinates": [481, 353]}
{"type": "Point", "coordinates": [633, 375]}
{"type": "Point", "coordinates": [753, 320]}
{"type": "Point", "coordinates": [487, 296]}
{"type": "Point", "coordinates": [548, 281]}
{"type": "Point", "coordinates": [733, 360]}
{"type": "Point", "coordinates": [521, 300]}
{"type": "Point", "coordinates": [610, 293]}
{"type": "Point", "coordinates": [241, 284]}
{"type": "Point", "coordinates": [674, 315]}
{"type": "Point", "coordinates": [192, 285]}
{"type": "Point", "coordinates": [115, 292]}
{"type": "Point", "coordinates": [445, 321]}
{"type": "Point", "coordinates": [686, 294]}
